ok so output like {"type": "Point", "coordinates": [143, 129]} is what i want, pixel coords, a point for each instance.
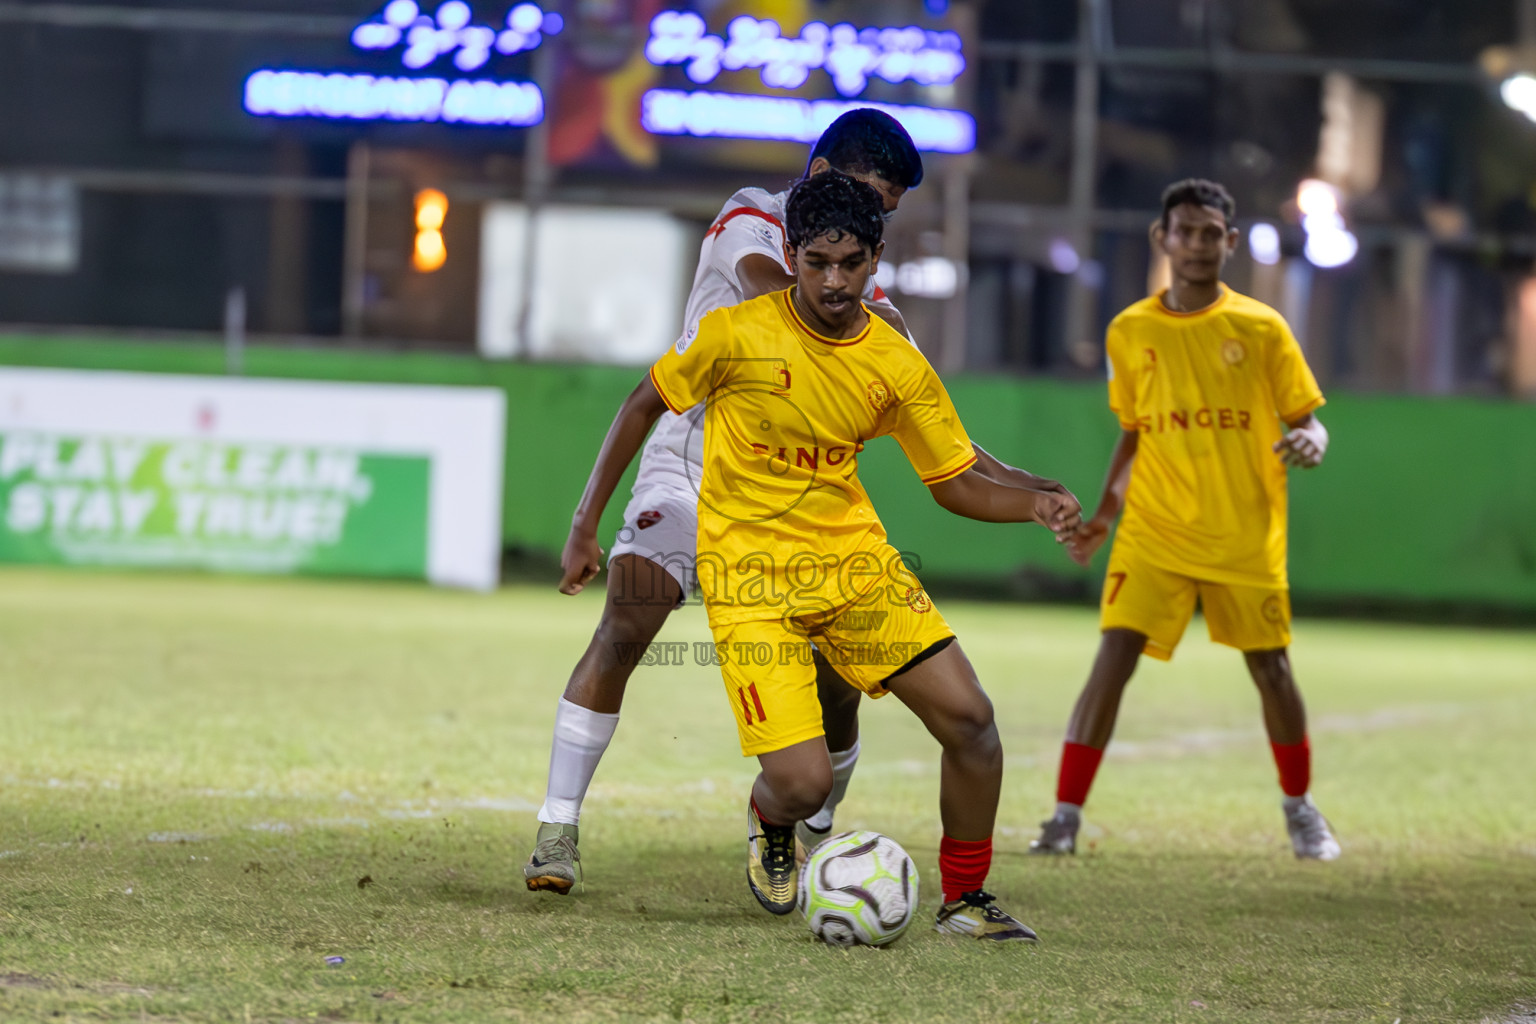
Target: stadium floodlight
{"type": "Point", "coordinates": [1519, 93]}
{"type": "Point", "coordinates": [1264, 244]}
{"type": "Point", "coordinates": [1329, 242]}
{"type": "Point", "coordinates": [1330, 246]}
{"type": "Point", "coordinates": [932, 277]}
{"type": "Point", "coordinates": [1315, 198]}
{"type": "Point", "coordinates": [430, 253]}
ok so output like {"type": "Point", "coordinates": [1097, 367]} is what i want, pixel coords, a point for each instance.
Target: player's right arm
{"type": "Point", "coordinates": [760, 275]}
{"type": "Point", "coordinates": [1090, 536]}
{"type": "Point", "coordinates": [682, 378]}
{"type": "Point", "coordinates": [582, 558]}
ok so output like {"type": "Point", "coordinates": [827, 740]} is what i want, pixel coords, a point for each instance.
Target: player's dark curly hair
{"type": "Point", "coordinates": [869, 141]}
{"type": "Point", "coordinates": [833, 204]}
{"type": "Point", "coordinates": [1202, 193]}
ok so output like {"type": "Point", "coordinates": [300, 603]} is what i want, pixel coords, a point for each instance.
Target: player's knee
{"type": "Point", "coordinates": [802, 795]}
{"type": "Point", "coordinates": [1271, 670]}
{"type": "Point", "coordinates": [632, 623]}
{"type": "Point", "coordinates": [972, 729]}
{"type": "Point", "coordinates": [1119, 651]}
{"type": "Point", "coordinates": [639, 584]}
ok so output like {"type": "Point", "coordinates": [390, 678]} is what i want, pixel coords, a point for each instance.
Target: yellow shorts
{"type": "Point", "coordinates": [770, 678]}
{"type": "Point", "coordinates": [1159, 603]}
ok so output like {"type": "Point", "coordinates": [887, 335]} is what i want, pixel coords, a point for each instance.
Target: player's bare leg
{"type": "Point", "coordinates": [1285, 719]}
{"type": "Point", "coordinates": [944, 693]}
{"type": "Point", "coordinates": [793, 784]}
{"type": "Point", "coordinates": [1093, 717]}
{"type": "Point", "coordinates": [1285, 716]}
{"type": "Point", "coordinates": [840, 721]}
{"type": "Point", "coordinates": [640, 596]}
{"type": "Point", "coordinates": [1088, 733]}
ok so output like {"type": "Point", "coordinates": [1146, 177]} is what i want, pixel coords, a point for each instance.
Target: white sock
{"type": "Point", "coordinates": [581, 736]}
{"type": "Point", "coordinates": [842, 770]}
{"type": "Point", "coordinates": [1069, 812]}
{"type": "Point", "coordinates": [1290, 803]}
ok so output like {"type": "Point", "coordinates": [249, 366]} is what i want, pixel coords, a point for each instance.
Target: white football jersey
{"type": "Point", "coordinates": [752, 221]}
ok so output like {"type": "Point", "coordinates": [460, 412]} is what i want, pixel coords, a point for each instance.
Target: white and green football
{"type": "Point", "coordinates": [858, 888]}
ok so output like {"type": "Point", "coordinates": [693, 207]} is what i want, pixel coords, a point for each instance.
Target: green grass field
{"type": "Point", "coordinates": [208, 786]}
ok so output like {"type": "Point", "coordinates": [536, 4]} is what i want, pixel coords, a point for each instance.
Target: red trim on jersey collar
{"type": "Point", "coordinates": [789, 303]}
{"type": "Point", "coordinates": [742, 211]}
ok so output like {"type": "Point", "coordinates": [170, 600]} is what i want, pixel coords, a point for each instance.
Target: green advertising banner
{"type": "Point", "coordinates": [260, 508]}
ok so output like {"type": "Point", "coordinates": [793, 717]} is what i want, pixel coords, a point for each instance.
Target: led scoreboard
{"type": "Point", "coordinates": [752, 79]}
{"type": "Point", "coordinates": [849, 56]}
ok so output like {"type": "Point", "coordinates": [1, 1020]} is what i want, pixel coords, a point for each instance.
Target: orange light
{"type": "Point", "coordinates": [430, 253]}
{"type": "Point", "coordinates": [431, 210]}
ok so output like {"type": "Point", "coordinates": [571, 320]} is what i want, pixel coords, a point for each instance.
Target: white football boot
{"type": "Point", "coordinates": [1311, 837]}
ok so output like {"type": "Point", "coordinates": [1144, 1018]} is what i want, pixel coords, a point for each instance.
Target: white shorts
{"type": "Point", "coordinates": [661, 524]}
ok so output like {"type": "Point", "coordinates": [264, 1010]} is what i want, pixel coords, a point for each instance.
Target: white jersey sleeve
{"type": "Point", "coordinates": [750, 223]}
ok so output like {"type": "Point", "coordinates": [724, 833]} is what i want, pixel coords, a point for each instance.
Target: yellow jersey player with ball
{"type": "Point", "coordinates": [791, 552]}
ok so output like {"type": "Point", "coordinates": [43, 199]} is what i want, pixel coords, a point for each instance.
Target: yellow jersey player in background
{"type": "Point", "coordinates": [1215, 402]}
{"type": "Point", "coordinates": [790, 551]}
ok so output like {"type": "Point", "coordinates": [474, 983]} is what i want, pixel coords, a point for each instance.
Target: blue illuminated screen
{"type": "Point", "coordinates": [850, 57]}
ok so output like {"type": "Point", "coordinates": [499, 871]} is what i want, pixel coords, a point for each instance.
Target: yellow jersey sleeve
{"type": "Point", "coordinates": [1122, 392]}
{"type": "Point", "coordinates": [1291, 381]}
{"type": "Point", "coordinates": [930, 432]}
{"type": "Point", "coordinates": [689, 370]}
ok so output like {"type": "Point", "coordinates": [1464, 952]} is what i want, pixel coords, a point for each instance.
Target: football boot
{"type": "Point", "coordinates": [553, 865]}
{"type": "Point", "coordinates": [977, 915]}
{"type": "Point", "coordinates": [771, 870]}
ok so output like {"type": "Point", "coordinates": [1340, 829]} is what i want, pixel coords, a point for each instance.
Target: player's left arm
{"type": "Point", "coordinates": [1296, 397]}
{"type": "Point", "coordinates": [1305, 443]}
{"type": "Point", "coordinates": [974, 496]}
{"type": "Point", "coordinates": [935, 442]}
{"type": "Point", "coordinates": [994, 469]}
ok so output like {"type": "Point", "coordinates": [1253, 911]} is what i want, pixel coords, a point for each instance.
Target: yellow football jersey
{"type": "Point", "coordinates": [785, 526]}
{"type": "Point", "coordinates": [1208, 392]}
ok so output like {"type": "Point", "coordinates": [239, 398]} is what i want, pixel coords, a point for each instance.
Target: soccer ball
{"type": "Point", "coordinates": [858, 888]}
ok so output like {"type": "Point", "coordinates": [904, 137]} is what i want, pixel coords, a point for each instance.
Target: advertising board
{"type": "Point", "coordinates": [258, 476]}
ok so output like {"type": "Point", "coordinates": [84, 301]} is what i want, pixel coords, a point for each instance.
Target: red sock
{"type": "Point", "coordinates": [1079, 764]}
{"type": "Point", "coordinates": [1295, 763]}
{"type": "Point", "coordinates": [963, 866]}
{"type": "Point", "coordinates": [757, 811]}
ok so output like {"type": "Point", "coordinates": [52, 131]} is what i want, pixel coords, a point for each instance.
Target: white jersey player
{"type": "Point", "coordinates": [651, 564]}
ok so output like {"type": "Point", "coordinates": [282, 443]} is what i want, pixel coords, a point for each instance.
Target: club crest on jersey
{"type": "Point", "coordinates": [1233, 351]}
{"type": "Point", "coordinates": [879, 395]}
{"type": "Point", "coordinates": [917, 600]}
{"type": "Point", "coordinates": [646, 520]}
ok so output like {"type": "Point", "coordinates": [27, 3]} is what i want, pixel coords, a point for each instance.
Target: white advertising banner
{"type": "Point", "coordinates": [245, 475]}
